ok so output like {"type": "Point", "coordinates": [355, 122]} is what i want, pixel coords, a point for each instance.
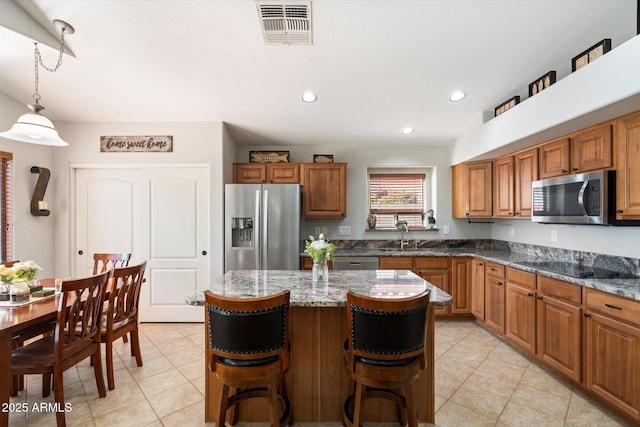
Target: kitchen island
{"type": "Point", "coordinates": [317, 383]}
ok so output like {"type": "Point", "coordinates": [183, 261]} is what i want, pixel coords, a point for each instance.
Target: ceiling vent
{"type": "Point", "coordinates": [285, 22]}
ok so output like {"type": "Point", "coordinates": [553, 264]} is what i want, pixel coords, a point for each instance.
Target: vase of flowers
{"type": "Point", "coordinates": [17, 279]}
{"type": "Point", "coordinates": [322, 252]}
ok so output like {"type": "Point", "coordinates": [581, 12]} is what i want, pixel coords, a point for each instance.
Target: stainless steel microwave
{"type": "Point", "coordinates": [582, 198]}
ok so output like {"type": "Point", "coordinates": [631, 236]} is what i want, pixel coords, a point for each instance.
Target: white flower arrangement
{"type": "Point", "coordinates": [319, 250]}
{"type": "Point", "coordinates": [19, 271]}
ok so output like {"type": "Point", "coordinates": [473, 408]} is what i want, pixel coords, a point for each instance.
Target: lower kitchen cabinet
{"type": "Point", "coordinates": [477, 289]}
{"type": "Point", "coordinates": [494, 297]}
{"type": "Point", "coordinates": [435, 270]}
{"type": "Point", "coordinates": [613, 350]}
{"type": "Point", "coordinates": [520, 306]}
{"type": "Point", "coordinates": [559, 326]}
{"type": "Point", "coordinates": [461, 277]}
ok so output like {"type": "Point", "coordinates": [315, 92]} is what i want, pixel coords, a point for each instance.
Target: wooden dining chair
{"type": "Point", "coordinates": [103, 261]}
{"type": "Point", "coordinates": [121, 317]}
{"type": "Point", "coordinates": [385, 352]}
{"type": "Point", "coordinates": [76, 337]}
{"type": "Point", "coordinates": [249, 352]}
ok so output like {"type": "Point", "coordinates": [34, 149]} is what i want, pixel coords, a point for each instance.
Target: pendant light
{"type": "Point", "coordinates": [34, 127]}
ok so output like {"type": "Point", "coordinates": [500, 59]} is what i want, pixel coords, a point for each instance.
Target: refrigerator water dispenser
{"type": "Point", "coordinates": [242, 232]}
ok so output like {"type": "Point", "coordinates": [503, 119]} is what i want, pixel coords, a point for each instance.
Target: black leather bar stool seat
{"type": "Point", "coordinates": [385, 353]}
{"type": "Point", "coordinates": [249, 352]}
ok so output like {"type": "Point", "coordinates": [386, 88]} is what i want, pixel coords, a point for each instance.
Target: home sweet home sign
{"type": "Point", "coordinates": [129, 144]}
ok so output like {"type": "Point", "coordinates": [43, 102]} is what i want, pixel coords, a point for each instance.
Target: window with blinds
{"type": "Point", "coordinates": [397, 197]}
{"type": "Point", "coordinates": [6, 206]}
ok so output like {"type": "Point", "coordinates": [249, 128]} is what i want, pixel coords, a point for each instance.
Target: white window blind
{"type": "Point", "coordinates": [397, 197]}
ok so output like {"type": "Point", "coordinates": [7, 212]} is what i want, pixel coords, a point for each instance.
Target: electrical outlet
{"type": "Point", "coordinates": [554, 235]}
{"type": "Point", "coordinates": [344, 230]}
{"type": "Point", "coordinates": [445, 229]}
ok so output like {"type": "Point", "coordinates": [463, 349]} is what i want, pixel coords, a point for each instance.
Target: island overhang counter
{"type": "Point", "coordinates": [317, 383]}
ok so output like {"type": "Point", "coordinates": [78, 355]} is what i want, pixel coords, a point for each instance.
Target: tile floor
{"type": "Point", "coordinates": [480, 381]}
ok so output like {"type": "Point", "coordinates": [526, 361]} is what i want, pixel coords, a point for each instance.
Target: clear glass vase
{"type": "Point", "coordinates": [320, 271]}
{"type": "Point", "coordinates": [19, 291]}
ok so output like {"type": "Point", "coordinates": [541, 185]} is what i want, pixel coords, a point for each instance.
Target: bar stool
{"type": "Point", "coordinates": [385, 352]}
{"type": "Point", "coordinates": [249, 351]}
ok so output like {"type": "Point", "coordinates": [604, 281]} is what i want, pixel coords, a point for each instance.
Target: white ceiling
{"type": "Point", "coordinates": [376, 66]}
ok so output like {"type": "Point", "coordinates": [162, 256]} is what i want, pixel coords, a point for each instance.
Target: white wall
{"type": "Point", "coordinates": [193, 142]}
{"type": "Point", "coordinates": [33, 235]}
{"type": "Point", "coordinates": [360, 158]}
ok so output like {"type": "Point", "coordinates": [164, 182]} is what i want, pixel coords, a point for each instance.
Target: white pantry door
{"type": "Point", "coordinates": [159, 214]}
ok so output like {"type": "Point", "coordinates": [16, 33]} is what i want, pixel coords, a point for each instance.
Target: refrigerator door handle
{"type": "Point", "coordinates": [265, 229]}
{"type": "Point", "coordinates": [256, 231]}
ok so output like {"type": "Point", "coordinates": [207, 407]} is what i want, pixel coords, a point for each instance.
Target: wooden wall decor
{"type": "Point", "coordinates": [542, 83]}
{"type": "Point", "coordinates": [508, 104]}
{"type": "Point", "coordinates": [269, 156]}
{"type": "Point", "coordinates": [37, 201]}
{"type": "Point", "coordinates": [591, 54]}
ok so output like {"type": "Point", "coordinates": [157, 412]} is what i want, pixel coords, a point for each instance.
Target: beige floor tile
{"type": "Point", "coordinates": [136, 414]}
{"type": "Point", "coordinates": [162, 382]}
{"type": "Point", "coordinates": [119, 398]}
{"type": "Point", "coordinates": [482, 397]}
{"type": "Point", "coordinates": [193, 370]}
{"type": "Point", "coordinates": [185, 354]}
{"type": "Point", "coordinates": [190, 416]}
{"type": "Point", "coordinates": [541, 379]}
{"type": "Point", "coordinates": [554, 405]}
{"type": "Point", "coordinates": [180, 397]}
{"type": "Point", "coordinates": [150, 368]}
{"type": "Point", "coordinates": [524, 413]}
{"type": "Point", "coordinates": [505, 353]}
{"type": "Point", "coordinates": [584, 413]}
{"type": "Point", "coordinates": [454, 415]}
{"type": "Point", "coordinates": [199, 384]}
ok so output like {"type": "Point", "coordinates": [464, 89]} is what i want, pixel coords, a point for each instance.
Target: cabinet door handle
{"type": "Point", "coordinates": [575, 169]}
{"type": "Point", "coordinates": [500, 283]}
{"type": "Point", "coordinates": [619, 211]}
{"type": "Point", "coordinates": [530, 294]}
{"type": "Point", "coordinates": [540, 297]}
{"type": "Point", "coordinates": [613, 307]}
{"type": "Point", "coordinates": [587, 315]}
{"type": "Point", "coordinates": [494, 269]}
{"type": "Point", "coordinates": [564, 171]}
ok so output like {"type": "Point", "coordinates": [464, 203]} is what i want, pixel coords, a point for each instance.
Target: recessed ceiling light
{"type": "Point", "coordinates": [407, 131]}
{"type": "Point", "coordinates": [309, 97]}
{"type": "Point", "coordinates": [457, 96]}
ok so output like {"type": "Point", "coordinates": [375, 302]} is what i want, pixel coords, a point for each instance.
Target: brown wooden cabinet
{"type": "Point", "coordinates": [592, 149]}
{"type": "Point", "coordinates": [554, 158]}
{"type": "Point", "coordinates": [461, 277]}
{"type": "Point", "coordinates": [324, 190]}
{"type": "Point", "coordinates": [559, 326]}
{"type": "Point", "coordinates": [494, 297]}
{"type": "Point", "coordinates": [503, 190]}
{"type": "Point", "coordinates": [435, 270]}
{"type": "Point", "coordinates": [477, 289]}
{"type": "Point", "coordinates": [395, 263]}
{"type": "Point", "coordinates": [526, 171]}
{"type": "Point", "coordinates": [306, 263]}
{"type": "Point", "coordinates": [472, 190]}
{"type": "Point", "coordinates": [520, 306]}
{"type": "Point", "coordinates": [266, 173]}
{"type": "Point", "coordinates": [627, 136]}
{"type": "Point", "coordinates": [613, 350]}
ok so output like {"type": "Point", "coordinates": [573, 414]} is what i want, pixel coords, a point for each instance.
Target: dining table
{"type": "Point", "coordinates": [20, 320]}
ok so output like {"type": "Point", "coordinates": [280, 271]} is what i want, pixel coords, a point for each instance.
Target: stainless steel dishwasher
{"type": "Point", "coordinates": [355, 263]}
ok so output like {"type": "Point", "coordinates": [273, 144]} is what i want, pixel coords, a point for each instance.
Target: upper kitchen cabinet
{"type": "Point", "coordinates": [472, 193]}
{"type": "Point", "coordinates": [526, 171]}
{"type": "Point", "coordinates": [324, 190]}
{"type": "Point", "coordinates": [266, 173]}
{"type": "Point", "coordinates": [503, 193]}
{"type": "Point", "coordinates": [581, 152]}
{"type": "Point", "coordinates": [627, 136]}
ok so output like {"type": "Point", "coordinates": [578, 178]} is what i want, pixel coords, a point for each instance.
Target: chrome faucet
{"type": "Point", "coordinates": [404, 228]}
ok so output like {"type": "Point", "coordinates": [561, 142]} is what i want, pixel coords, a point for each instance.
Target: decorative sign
{"type": "Point", "coordinates": [542, 83]}
{"type": "Point", "coordinates": [591, 54]}
{"type": "Point", "coordinates": [508, 104]}
{"type": "Point", "coordinates": [269, 156]}
{"type": "Point", "coordinates": [130, 144]}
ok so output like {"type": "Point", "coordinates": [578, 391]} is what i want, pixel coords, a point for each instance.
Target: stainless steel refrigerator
{"type": "Point", "coordinates": [262, 227]}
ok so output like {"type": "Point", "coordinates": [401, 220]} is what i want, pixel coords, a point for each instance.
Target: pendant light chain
{"type": "Point", "coordinates": [38, 60]}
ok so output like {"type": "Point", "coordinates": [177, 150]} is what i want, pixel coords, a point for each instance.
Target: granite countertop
{"type": "Point", "coordinates": [305, 293]}
{"type": "Point", "coordinates": [626, 287]}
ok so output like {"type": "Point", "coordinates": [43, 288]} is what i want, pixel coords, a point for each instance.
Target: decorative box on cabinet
{"type": "Point", "coordinates": [559, 326]}
{"type": "Point", "coordinates": [613, 350]}
{"type": "Point", "coordinates": [494, 297]}
{"type": "Point", "coordinates": [628, 167]}
{"type": "Point", "coordinates": [324, 190]}
{"type": "Point", "coordinates": [520, 323]}
{"type": "Point", "coordinates": [472, 190]}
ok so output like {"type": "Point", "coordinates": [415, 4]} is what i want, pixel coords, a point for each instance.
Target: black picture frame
{"type": "Point", "coordinates": [542, 82]}
{"type": "Point", "coordinates": [507, 105]}
{"type": "Point", "coordinates": [590, 55]}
